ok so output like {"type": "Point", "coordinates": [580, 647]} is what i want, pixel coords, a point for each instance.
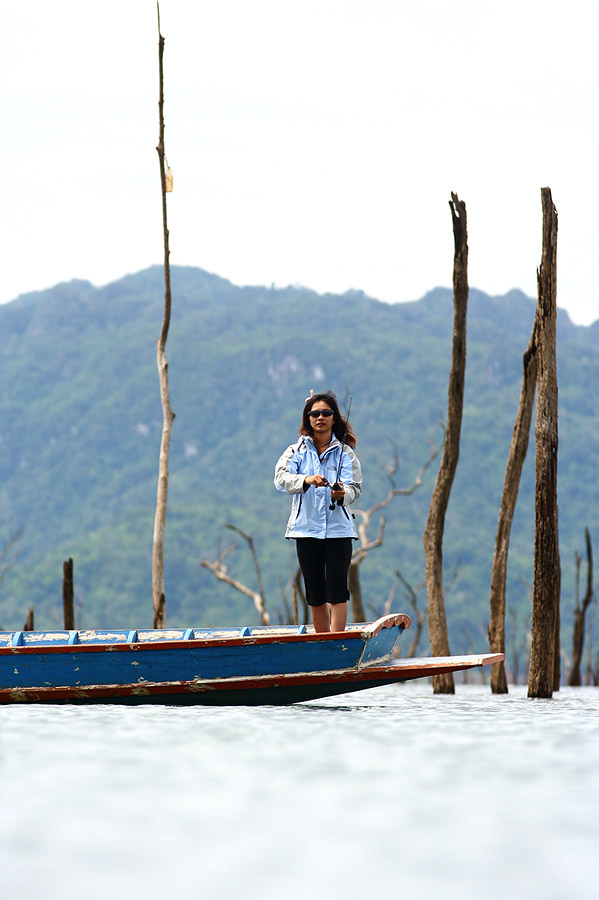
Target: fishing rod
{"type": "Point", "coordinates": [337, 486]}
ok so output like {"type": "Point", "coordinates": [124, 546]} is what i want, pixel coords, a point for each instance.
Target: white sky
{"type": "Point", "coordinates": [314, 142]}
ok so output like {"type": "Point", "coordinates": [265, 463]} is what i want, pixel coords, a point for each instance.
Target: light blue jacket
{"type": "Point", "coordinates": [310, 513]}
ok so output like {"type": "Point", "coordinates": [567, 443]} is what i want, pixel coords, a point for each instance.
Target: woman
{"type": "Point", "coordinates": [309, 471]}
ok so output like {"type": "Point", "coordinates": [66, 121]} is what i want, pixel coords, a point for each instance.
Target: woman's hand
{"type": "Point", "coordinates": [338, 495]}
{"type": "Point", "coordinates": [316, 480]}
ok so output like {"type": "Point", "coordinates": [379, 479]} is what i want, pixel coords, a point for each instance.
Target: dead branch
{"type": "Point", "coordinates": [219, 570]}
{"type": "Point", "coordinates": [366, 545]}
{"type": "Point", "coordinates": [294, 584]}
{"type": "Point", "coordinates": [392, 469]}
{"type": "Point", "coordinates": [364, 518]}
{"type": "Point", "coordinates": [390, 599]}
{"type": "Point", "coordinates": [419, 614]}
{"type": "Point", "coordinates": [250, 542]}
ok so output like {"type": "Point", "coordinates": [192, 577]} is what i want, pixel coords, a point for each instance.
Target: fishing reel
{"type": "Point", "coordinates": [334, 487]}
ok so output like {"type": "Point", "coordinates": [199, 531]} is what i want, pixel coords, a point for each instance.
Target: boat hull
{"type": "Point", "coordinates": [76, 665]}
{"type": "Point", "coordinates": [262, 690]}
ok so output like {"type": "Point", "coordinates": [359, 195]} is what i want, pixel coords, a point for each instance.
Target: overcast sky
{"type": "Point", "coordinates": [314, 143]}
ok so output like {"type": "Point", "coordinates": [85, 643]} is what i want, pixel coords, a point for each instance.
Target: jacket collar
{"type": "Point", "coordinates": [334, 443]}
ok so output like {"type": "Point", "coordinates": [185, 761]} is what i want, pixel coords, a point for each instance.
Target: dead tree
{"type": "Point", "coordinates": [68, 595]}
{"type": "Point", "coordinates": [511, 485]}
{"type": "Point", "coordinates": [219, 570]}
{"type": "Point", "coordinates": [158, 594]}
{"type": "Point", "coordinates": [419, 617]}
{"type": "Point", "coordinates": [541, 677]}
{"type": "Point", "coordinates": [298, 593]}
{"type": "Point", "coordinates": [580, 611]}
{"type": "Point", "coordinates": [291, 613]}
{"type": "Point", "coordinates": [365, 516]}
{"type": "Point", "coordinates": [418, 614]}
{"type": "Point", "coordinates": [433, 532]}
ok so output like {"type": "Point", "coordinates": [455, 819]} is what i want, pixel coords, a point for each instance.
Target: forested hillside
{"type": "Point", "coordinates": [80, 423]}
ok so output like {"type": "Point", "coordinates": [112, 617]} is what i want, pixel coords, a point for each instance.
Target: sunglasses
{"type": "Point", "coordinates": [325, 413]}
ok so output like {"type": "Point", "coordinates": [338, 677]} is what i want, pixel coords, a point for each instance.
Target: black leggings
{"type": "Point", "coordinates": [325, 564]}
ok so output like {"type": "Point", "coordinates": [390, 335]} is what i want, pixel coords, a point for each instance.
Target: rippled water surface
{"type": "Point", "coordinates": [390, 792]}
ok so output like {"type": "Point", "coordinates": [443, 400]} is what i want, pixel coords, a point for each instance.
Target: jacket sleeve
{"type": "Point", "coordinates": [287, 476]}
{"type": "Point", "coordinates": [351, 476]}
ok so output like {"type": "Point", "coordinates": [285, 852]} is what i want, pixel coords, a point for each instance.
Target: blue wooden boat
{"type": "Point", "coordinates": [247, 666]}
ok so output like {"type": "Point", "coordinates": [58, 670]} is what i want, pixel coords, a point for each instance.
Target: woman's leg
{"type": "Point", "coordinates": [310, 553]}
{"type": "Point", "coordinates": [321, 618]}
{"type": "Point", "coordinates": [338, 617]}
{"type": "Point", "coordinates": [338, 555]}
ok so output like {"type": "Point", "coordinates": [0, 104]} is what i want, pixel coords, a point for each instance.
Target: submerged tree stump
{"type": "Point", "coordinates": [68, 595]}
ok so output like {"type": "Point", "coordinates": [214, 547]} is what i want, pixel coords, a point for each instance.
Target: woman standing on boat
{"type": "Point", "coordinates": [309, 470]}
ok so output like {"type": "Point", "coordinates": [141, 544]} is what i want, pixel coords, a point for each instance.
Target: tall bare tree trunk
{"type": "Point", "coordinates": [546, 556]}
{"type": "Point", "coordinates": [158, 595]}
{"type": "Point", "coordinates": [511, 485]}
{"type": "Point", "coordinates": [433, 532]}
{"type": "Point", "coordinates": [579, 616]}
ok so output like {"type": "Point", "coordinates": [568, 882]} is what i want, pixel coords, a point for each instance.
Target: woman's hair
{"type": "Point", "coordinates": [341, 427]}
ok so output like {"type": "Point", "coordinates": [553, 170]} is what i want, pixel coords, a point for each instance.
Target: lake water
{"type": "Point", "coordinates": [389, 792]}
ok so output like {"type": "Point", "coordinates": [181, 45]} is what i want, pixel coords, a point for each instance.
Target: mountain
{"type": "Point", "coordinates": [80, 424]}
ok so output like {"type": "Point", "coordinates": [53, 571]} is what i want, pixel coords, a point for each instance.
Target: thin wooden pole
{"type": "Point", "coordinates": [158, 592]}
